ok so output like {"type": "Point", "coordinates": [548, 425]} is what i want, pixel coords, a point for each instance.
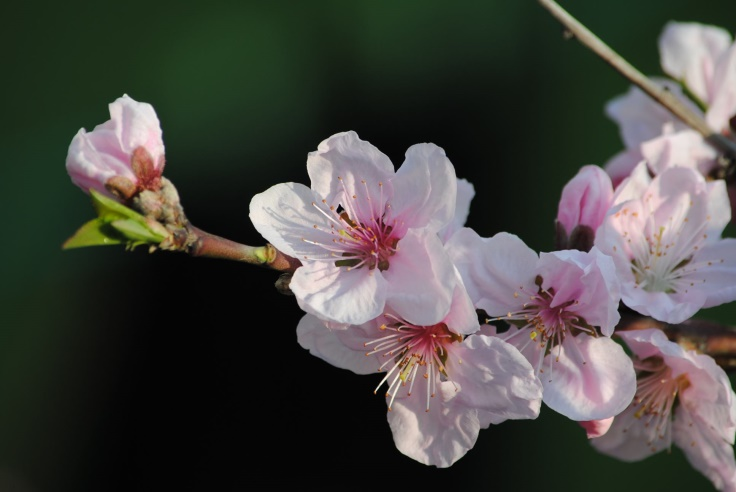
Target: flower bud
{"type": "Point", "coordinates": [122, 156]}
{"type": "Point", "coordinates": [596, 428]}
{"type": "Point", "coordinates": [583, 205]}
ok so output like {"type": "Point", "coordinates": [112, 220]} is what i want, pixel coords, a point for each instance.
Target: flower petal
{"type": "Point", "coordinates": [588, 378]}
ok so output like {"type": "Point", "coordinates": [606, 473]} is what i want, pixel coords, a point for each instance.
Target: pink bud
{"type": "Point", "coordinates": [122, 156]}
{"type": "Point", "coordinates": [585, 199]}
{"type": "Point", "coordinates": [596, 428]}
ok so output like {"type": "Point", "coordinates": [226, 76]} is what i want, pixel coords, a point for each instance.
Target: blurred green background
{"type": "Point", "coordinates": [130, 371]}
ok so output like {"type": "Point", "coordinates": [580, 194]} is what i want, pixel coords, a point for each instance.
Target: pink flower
{"type": "Point", "coordinates": [703, 59]}
{"type": "Point", "coordinates": [562, 308]}
{"type": "Point", "coordinates": [664, 235]}
{"type": "Point", "coordinates": [584, 202]}
{"type": "Point", "coordinates": [366, 235]}
{"type": "Point", "coordinates": [122, 156]}
{"type": "Point", "coordinates": [444, 381]}
{"type": "Point", "coordinates": [683, 398]}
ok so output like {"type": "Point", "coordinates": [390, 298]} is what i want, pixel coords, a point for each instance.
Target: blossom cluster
{"type": "Point", "coordinates": [468, 331]}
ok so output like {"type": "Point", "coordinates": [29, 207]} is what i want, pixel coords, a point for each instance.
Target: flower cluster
{"type": "Point", "coordinates": [468, 331]}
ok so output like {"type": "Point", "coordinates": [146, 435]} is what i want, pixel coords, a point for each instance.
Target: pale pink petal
{"type": "Point", "coordinates": [493, 269]}
{"type": "Point", "coordinates": [425, 188]}
{"type": "Point", "coordinates": [650, 343]}
{"type": "Point", "coordinates": [357, 297]}
{"type": "Point", "coordinates": [689, 52]}
{"type": "Point", "coordinates": [629, 439]}
{"type": "Point", "coordinates": [634, 185]}
{"type": "Point", "coordinates": [437, 437]}
{"type": "Point", "coordinates": [588, 378]}
{"type": "Point", "coordinates": [705, 451]}
{"type": "Point", "coordinates": [284, 216]}
{"type": "Point", "coordinates": [421, 279]}
{"type": "Point", "coordinates": [719, 211]}
{"type": "Point", "coordinates": [620, 166]}
{"type": "Point", "coordinates": [357, 164]}
{"type": "Point", "coordinates": [497, 380]}
{"type": "Point", "coordinates": [585, 199]}
{"type": "Point", "coordinates": [462, 318]}
{"type": "Point", "coordinates": [465, 194]}
{"type": "Point", "coordinates": [339, 348]}
{"type": "Point", "coordinates": [685, 148]}
{"type": "Point", "coordinates": [89, 168]}
{"type": "Point", "coordinates": [596, 428]}
{"type": "Point", "coordinates": [723, 105]}
{"type": "Point", "coordinates": [715, 271]}
{"type": "Point", "coordinates": [640, 118]}
{"type": "Point", "coordinates": [137, 126]}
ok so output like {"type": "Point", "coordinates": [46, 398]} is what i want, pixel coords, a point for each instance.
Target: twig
{"type": "Point", "coordinates": [204, 244]}
{"type": "Point", "coordinates": [573, 28]}
{"type": "Point", "coordinates": [704, 336]}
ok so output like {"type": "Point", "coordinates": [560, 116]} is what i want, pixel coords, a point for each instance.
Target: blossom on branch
{"type": "Point", "coordinates": [367, 236]}
{"type": "Point", "coordinates": [583, 205]}
{"type": "Point", "coordinates": [445, 382]}
{"type": "Point", "coordinates": [701, 58]}
{"type": "Point", "coordinates": [664, 234]}
{"type": "Point", "coordinates": [122, 156]}
{"type": "Point", "coordinates": [562, 308]}
{"type": "Point", "coordinates": [683, 398]}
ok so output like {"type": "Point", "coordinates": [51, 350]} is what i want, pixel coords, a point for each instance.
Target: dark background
{"type": "Point", "coordinates": [130, 371]}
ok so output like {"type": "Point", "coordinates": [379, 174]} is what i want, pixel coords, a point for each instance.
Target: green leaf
{"type": "Point", "coordinates": [116, 224]}
{"type": "Point", "coordinates": [110, 210]}
{"type": "Point", "coordinates": [93, 233]}
{"type": "Point", "coordinates": [136, 231]}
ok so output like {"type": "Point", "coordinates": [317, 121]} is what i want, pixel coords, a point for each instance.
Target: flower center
{"type": "Point", "coordinates": [546, 325]}
{"type": "Point", "coordinates": [360, 234]}
{"type": "Point", "coordinates": [663, 260]}
{"type": "Point", "coordinates": [653, 270]}
{"type": "Point", "coordinates": [413, 352]}
{"type": "Point", "coordinates": [656, 395]}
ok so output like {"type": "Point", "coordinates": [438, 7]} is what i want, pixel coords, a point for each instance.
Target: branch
{"type": "Point", "coordinates": [204, 244]}
{"type": "Point", "coordinates": [573, 28]}
{"type": "Point", "coordinates": [704, 336]}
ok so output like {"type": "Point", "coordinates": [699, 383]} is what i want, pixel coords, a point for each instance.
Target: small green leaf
{"type": "Point", "coordinates": [93, 233]}
{"type": "Point", "coordinates": [110, 210]}
{"type": "Point", "coordinates": [137, 232]}
{"type": "Point", "coordinates": [116, 224]}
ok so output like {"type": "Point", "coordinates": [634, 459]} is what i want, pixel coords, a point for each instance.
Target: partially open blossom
{"type": "Point", "coordinates": [366, 235]}
{"type": "Point", "coordinates": [703, 59]}
{"type": "Point", "coordinates": [682, 397]}
{"type": "Point", "coordinates": [562, 308]}
{"type": "Point", "coordinates": [122, 156]}
{"type": "Point", "coordinates": [664, 234]}
{"type": "Point", "coordinates": [444, 382]}
{"type": "Point", "coordinates": [583, 204]}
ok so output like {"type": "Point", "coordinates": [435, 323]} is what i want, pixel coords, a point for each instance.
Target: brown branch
{"type": "Point", "coordinates": [573, 28]}
{"type": "Point", "coordinates": [204, 244]}
{"type": "Point", "coordinates": [704, 336]}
